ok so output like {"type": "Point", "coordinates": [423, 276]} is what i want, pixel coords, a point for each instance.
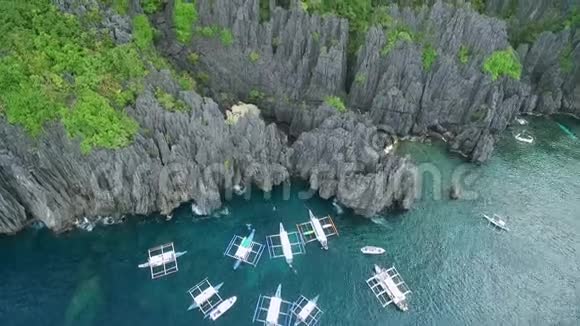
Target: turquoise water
{"type": "Point", "coordinates": [461, 271]}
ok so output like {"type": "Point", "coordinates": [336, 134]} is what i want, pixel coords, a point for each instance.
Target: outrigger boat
{"type": "Point", "coordinates": [497, 221]}
{"type": "Point", "coordinates": [317, 229]}
{"type": "Point", "coordinates": [524, 138]}
{"type": "Point", "coordinates": [205, 296]}
{"type": "Point", "coordinates": [388, 286]}
{"type": "Point", "coordinates": [159, 260]}
{"type": "Point", "coordinates": [162, 260]}
{"type": "Point", "coordinates": [306, 311]}
{"type": "Point", "coordinates": [244, 250]}
{"type": "Point", "coordinates": [371, 250]}
{"type": "Point", "coordinates": [290, 247]}
{"type": "Point", "coordinates": [222, 308]}
{"type": "Point", "coordinates": [276, 308]}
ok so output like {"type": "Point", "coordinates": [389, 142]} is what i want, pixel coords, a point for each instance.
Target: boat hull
{"type": "Point", "coordinates": [222, 308]}
{"type": "Point", "coordinates": [370, 250]}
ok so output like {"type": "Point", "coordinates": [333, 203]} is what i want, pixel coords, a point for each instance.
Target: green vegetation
{"type": "Point", "coordinates": [530, 33]}
{"type": "Point", "coordinates": [316, 36]}
{"type": "Point", "coordinates": [478, 5]}
{"type": "Point", "coordinates": [143, 33]}
{"type": "Point", "coordinates": [53, 69]}
{"type": "Point", "coordinates": [256, 95]}
{"type": "Point", "coordinates": [184, 16]}
{"type": "Point", "coordinates": [254, 56]}
{"type": "Point", "coordinates": [151, 6]}
{"type": "Point", "coordinates": [186, 82]}
{"type": "Point", "coordinates": [573, 20]}
{"type": "Point", "coordinates": [396, 35]}
{"type": "Point", "coordinates": [335, 102]}
{"type": "Point", "coordinates": [207, 31]}
{"type": "Point", "coordinates": [360, 78]}
{"type": "Point", "coordinates": [463, 54]}
{"type": "Point", "coordinates": [503, 63]}
{"type": "Point", "coordinates": [193, 58]}
{"type": "Point", "coordinates": [169, 102]}
{"type": "Point", "coordinates": [264, 11]}
{"type": "Point", "coordinates": [566, 61]}
{"type": "Point", "coordinates": [202, 78]}
{"type": "Point", "coordinates": [97, 123]}
{"type": "Point", "coordinates": [226, 37]}
{"type": "Point", "coordinates": [361, 15]}
{"type": "Point", "coordinates": [429, 57]}
{"type": "Point", "coordinates": [120, 6]}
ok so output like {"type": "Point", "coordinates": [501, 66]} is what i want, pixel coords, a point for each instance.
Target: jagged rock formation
{"type": "Point", "coordinates": [295, 60]}
{"type": "Point", "coordinates": [339, 159]}
{"type": "Point", "coordinates": [177, 157]}
{"type": "Point", "coordinates": [302, 59]}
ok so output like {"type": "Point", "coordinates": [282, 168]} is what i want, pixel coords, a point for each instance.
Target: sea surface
{"type": "Point", "coordinates": [460, 270]}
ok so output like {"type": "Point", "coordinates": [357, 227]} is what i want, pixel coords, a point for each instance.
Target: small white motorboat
{"type": "Point", "coordinates": [222, 308]}
{"type": "Point", "coordinates": [497, 221]}
{"type": "Point", "coordinates": [524, 138]}
{"type": "Point", "coordinates": [371, 250]}
{"type": "Point", "coordinates": [521, 121]}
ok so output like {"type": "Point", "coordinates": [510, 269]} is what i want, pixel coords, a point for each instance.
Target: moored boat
{"type": "Point", "coordinates": [222, 308]}
{"type": "Point", "coordinates": [497, 221]}
{"type": "Point", "coordinates": [158, 260]}
{"type": "Point", "coordinates": [524, 138]}
{"type": "Point", "coordinates": [372, 250]}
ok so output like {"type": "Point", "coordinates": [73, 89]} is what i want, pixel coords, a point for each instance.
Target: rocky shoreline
{"type": "Point", "coordinates": [199, 155]}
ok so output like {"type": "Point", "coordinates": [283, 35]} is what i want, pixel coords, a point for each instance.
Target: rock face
{"type": "Point", "coordinates": [292, 61]}
{"type": "Point", "coordinates": [339, 159]}
{"type": "Point", "coordinates": [302, 59]}
{"type": "Point", "coordinates": [178, 157]}
{"type": "Point", "coordinates": [196, 156]}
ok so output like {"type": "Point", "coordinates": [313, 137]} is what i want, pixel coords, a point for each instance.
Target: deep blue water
{"type": "Point", "coordinates": [461, 271]}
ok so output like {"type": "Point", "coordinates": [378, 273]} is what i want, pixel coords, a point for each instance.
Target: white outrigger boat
{"type": "Point", "coordinates": [388, 286]}
{"type": "Point", "coordinates": [306, 311]}
{"type": "Point", "coordinates": [497, 221]}
{"type": "Point", "coordinates": [162, 260]}
{"type": "Point", "coordinates": [317, 230]}
{"type": "Point", "coordinates": [372, 250]}
{"type": "Point", "coordinates": [269, 310]}
{"type": "Point", "coordinates": [222, 308]}
{"type": "Point", "coordinates": [159, 260]}
{"type": "Point", "coordinates": [244, 250]}
{"type": "Point", "coordinates": [205, 296]}
{"type": "Point", "coordinates": [290, 244]}
{"type": "Point", "coordinates": [524, 138]}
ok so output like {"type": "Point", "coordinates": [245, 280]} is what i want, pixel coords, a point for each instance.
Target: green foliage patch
{"type": "Point", "coordinates": [254, 56]}
{"type": "Point", "coordinates": [361, 15]}
{"type": "Point", "coordinates": [120, 6]}
{"type": "Point", "coordinates": [184, 17]}
{"type": "Point", "coordinates": [429, 57]}
{"type": "Point", "coordinates": [97, 123]}
{"type": "Point", "coordinates": [503, 63]}
{"type": "Point", "coordinates": [335, 102]}
{"type": "Point", "coordinates": [463, 54]}
{"type": "Point", "coordinates": [143, 33]}
{"type": "Point", "coordinates": [169, 102]}
{"type": "Point", "coordinates": [394, 36]}
{"type": "Point", "coordinates": [53, 69]}
{"type": "Point", "coordinates": [226, 37]}
{"type": "Point", "coordinates": [256, 95]}
{"type": "Point", "coordinates": [151, 6]}
{"type": "Point", "coordinates": [566, 61]}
